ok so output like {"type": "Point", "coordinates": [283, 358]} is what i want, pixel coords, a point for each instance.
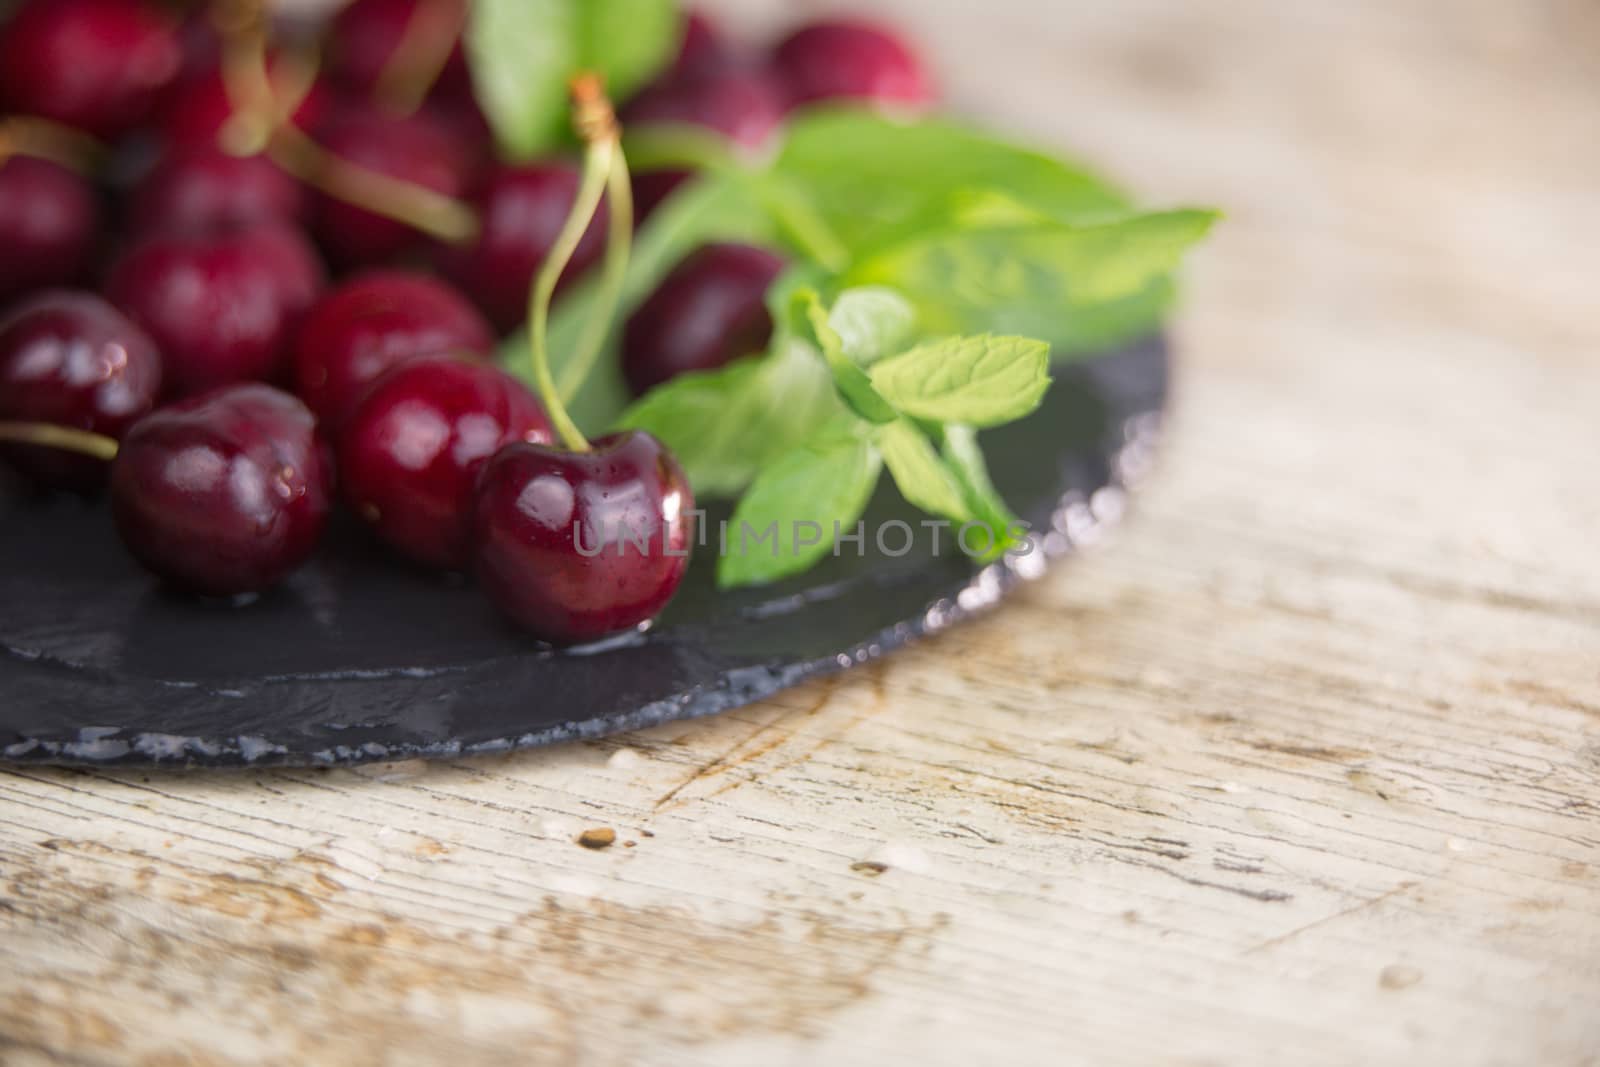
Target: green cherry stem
{"type": "Point", "coordinates": [421, 56]}
{"type": "Point", "coordinates": [613, 279]}
{"type": "Point", "coordinates": [49, 435]}
{"type": "Point", "coordinates": [596, 124]}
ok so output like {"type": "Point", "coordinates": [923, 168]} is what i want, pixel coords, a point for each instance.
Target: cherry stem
{"type": "Point", "coordinates": [49, 435]}
{"type": "Point", "coordinates": [417, 62]}
{"type": "Point", "coordinates": [263, 122]}
{"type": "Point", "coordinates": [26, 135]}
{"type": "Point", "coordinates": [596, 124]}
{"type": "Point", "coordinates": [614, 278]}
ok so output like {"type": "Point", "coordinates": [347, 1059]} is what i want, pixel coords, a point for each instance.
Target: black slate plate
{"type": "Point", "coordinates": [361, 658]}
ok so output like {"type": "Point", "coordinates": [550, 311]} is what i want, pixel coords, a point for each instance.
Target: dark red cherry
{"type": "Point", "coordinates": [222, 306]}
{"type": "Point", "coordinates": [745, 106]}
{"type": "Point", "coordinates": [710, 310]}
{"type": "Point", "coordinates": [48, 220]}
{"type": "Point", "coordinates": [223, 493]}
{"type": "Point", "coordinates": [418, 149]}
{"type": "Point", "coordinates": [575, 546]}
{"type": "Point", "coordinates": [522, 209]}
{"type": "Point", "coordinates": [372, 323]}
{"type": "Point", "coordinates": [703, 48]}
{"type": "Point", "coordinates": [651, 189]}
{"type": "Point", "coordinates": [411, 452]}
{"type": "Point", "coordinates": [73, 360]}
{"type": "Point", "coordinates": [203, 188]}
{"type": "Point", "coordinates": [851, 59]}
{"type": "Point", "coordinates": [365, 35]}
{"type": "Point", "coordinates": [97, 65]}
{"type": "Point", "coordinates": [199, 107]}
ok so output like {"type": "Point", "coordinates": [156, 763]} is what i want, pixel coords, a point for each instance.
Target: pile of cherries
{"type": "Point", "coordinates": [222, 388]}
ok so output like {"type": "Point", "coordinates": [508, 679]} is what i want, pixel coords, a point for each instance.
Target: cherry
{"type": "Point", "coordinates": [521, 210]}
{"type": "Point", "coordinates": [417, 149]}
{"type": "Point", "coordinates": [221, 306]}
{"type": "Point", "coordinates": [375, 322]}
{"type": "Point", "coordinates": [851, 59]}
{"type": "Point", "coordinates": [98, 65]}
{"type": "Point", "coordinates": [71, 359]}
{"type": "Point", "coordinates": [708, 311]}
{"type": "Point", "coordinates": [366, 34]}
{"type": "Point", "coordinates": [745, 106]}
{"type": "Point", "coordinates": [202, 188]}
{"type": "Point", "coordinates": [223, 493]}
{"type": "Point", "coordinates": [703, 46]}
{"type": "Point", "coordinates": [200, 106]}
{"type": "Point", "coordinates": [411, 452]}
{"type": "Point", "coordinates": [575, 546]}
{"type": "Point", "coordinates": [48, 220]}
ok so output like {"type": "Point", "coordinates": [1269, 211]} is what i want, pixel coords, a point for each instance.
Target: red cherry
{"type": "Point", "coordinates": [98, 65]}
{"type": "Point", "coordinates": [49, 218]}
{"type": "Point", "coordinates": [745, 106]}
{"type": "Point", "coordinates": [222, 307]}
{"type": "Point", "coordinates": [418, 149]}
{"type": "Point", "coordinates": [521, 210]}
{"type": "Point", "coordinates": [73, 360]}
{"type": "Point", "coordinates": [411, 452]}
{"type": "Point", "coordinates": [224, 493]}
{"type": "Point", "coordinates": [365, 35]}
{"type": "Point", "coordinates": [202, 188]}
{"type": "Point", "coordinates": [710, 310]}
{"type": "Point", "coordinates": [703, 48]}
{"type": "Point", "coordinates": [575, 546]}
{"type": "Point", "coordinates": [199, 106]}
{"type": "Point", "coordinates": [372, 323]}
{"type": "Point", "coordinates": [851, 59]}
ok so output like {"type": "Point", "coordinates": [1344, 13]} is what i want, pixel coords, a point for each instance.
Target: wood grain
{"type": "Point", "coordinates": [1305, 767]}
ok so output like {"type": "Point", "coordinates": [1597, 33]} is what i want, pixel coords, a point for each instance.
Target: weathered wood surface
{"type": "Point", "coordinates": [1304, 767]}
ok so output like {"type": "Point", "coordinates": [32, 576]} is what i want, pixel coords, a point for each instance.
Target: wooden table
{"type": "Point", "coordinates": [1304, 767]}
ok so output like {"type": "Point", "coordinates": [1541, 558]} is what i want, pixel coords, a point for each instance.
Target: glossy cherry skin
{"type": "Point", "coordinates": [851, 59]}
{"type": "Point", "coordinates": [226, 492]}
{"type": "Point", "coordinates": [222, 307]}
{"type": "Point", "coordinates": [411, 452]}
{"type": "Point", "coordinates": [201, 188]}
{"type": "Point", "coordinates": [522, 209]}
{"type": "Point", "coordinates": [98, 65]}
{"type": "Point", "coordinates": [364, 37]}
{"type": "Point", "coordinates": [73, 360]}
{"type": "Point", "coordinates": [48, 220]}
{"type": "Point", "coordinates": [710, 310]}
{"type": "Point", "coordinates": [199, 106]}
{"type": "Point", "coordinates": [374, 322]}
{"type": "Point", "coordinates": [574, 547]}
{"type": "Point", "coordinates": [418, 149]}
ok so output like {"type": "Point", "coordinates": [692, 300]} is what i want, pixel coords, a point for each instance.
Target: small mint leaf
{"type": "Point", "coordinates": [872, 322]}
{"type": "Point", "coordinates": [982, 381]}
{"type": "Point", "coordinates": [807, 495]}
{"type": "Point", "coordinates": [726, 425]}
{"type": "Point", "coordinates": [964, 457]}
{"type": "Point", "coordinates": [851, 380]}
{"type": "Point", "coordinates": [921, 475]}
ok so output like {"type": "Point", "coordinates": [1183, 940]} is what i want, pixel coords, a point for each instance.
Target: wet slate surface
{"type": "Point", "coordinates": [360, 657]}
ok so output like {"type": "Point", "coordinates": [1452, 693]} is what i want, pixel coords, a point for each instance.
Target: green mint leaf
{"type": "Point", "coordinates": [921, 475]}
{"type": "Point", "coordinates": [806, 495]}
{"type": "Point", "coordinates": [523, 53]}
{"type": "Point", "coordinates": [708, 209]}
{"type": "Point", "coordinates": [872, 322]}
{"type": "Point", "coordinates": [875, 179]}
{"type": "Point", "coordinates": [1062, 284]}
{"type": "Point", "coordinates": [983, 381]}
{"type": "Point", "coordinates": [725, 426]}
{"type": "Point", "coordinates": [964, 457]}
{"type": "Point", "coordinates": [851, 380]}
